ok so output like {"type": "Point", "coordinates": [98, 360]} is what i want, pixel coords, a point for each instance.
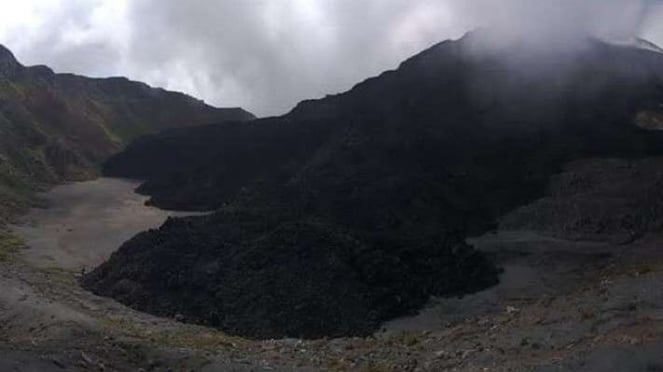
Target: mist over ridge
{"type": "Point", "coordinates": [267, 56]}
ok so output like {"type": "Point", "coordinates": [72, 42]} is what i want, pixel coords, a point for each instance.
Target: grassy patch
{"type": "Point", "coordinates": [16, 194]}
{"type": "Point", "coordinates": [407, 339]}
{"type": "Point", "coordinates": [377, 367]}
{"type": "Point", "coordinates": [9, 245]}
{"type": "Point", "coordinates": [15, 89]}
{"type": "Point", "coordinates": [192, 339]}
{"type": "Point", "coordinates": [61, 275]}
{"type": "Point", "coordinates": [206, 340]}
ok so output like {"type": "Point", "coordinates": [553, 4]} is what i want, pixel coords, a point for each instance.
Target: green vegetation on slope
{"type": "Point", "coordinates": [16, 194]}
{"type": "Point", "coordinates": [59, 127]}
{"type": "Point", "coordinates": [9, 245]}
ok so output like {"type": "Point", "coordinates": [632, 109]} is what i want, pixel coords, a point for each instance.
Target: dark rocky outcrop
{"type": "Point", "coordinates": [380, 184]}
{"type": "Point", "coordinates": [262, 274]}
{"type": "Point", "coordinates": [8, 63]}
{"type": "Point", "coordinates": [597, 199]}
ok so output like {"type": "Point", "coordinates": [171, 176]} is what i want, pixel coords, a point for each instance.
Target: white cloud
{"type": "Point", "coordinates": [266, 55]}
{"type": "Point", "coordinates": [83, 36]}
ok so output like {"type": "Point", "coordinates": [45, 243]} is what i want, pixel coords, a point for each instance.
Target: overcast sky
{"type": "Point", "coordinates": [266, 55]}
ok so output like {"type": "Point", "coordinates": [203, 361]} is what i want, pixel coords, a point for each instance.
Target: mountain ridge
{"type": "Point", "coordinates": [60, 127]}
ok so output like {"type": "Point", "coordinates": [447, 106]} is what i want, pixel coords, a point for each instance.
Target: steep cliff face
{"type": "Point", "coordinates": [60, 127]}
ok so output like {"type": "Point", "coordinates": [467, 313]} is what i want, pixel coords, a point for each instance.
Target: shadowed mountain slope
{"type": "Point", "coordinates": [382, 184]}
{"type": "Point", "coordinates": [59, 127]}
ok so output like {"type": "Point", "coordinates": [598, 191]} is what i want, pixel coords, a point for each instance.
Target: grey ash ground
{"type": "Point", "coordinates": [561, 305]}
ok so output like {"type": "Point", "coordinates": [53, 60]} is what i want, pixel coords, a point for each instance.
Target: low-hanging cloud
{"type": "Point", "coordinates": [271, 54]}
{"type": "Point", "coordinates": [266, 55]}
{"type": "Point", "coordinates": [559, 23]}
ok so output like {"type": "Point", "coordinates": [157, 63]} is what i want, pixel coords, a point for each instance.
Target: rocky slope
{"type": "Point", "coordinates": [381, 184]}
{"type": "Point", "coordinates": [615, 199]}
{"type": "Point", "coordinates": [59, 127]}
